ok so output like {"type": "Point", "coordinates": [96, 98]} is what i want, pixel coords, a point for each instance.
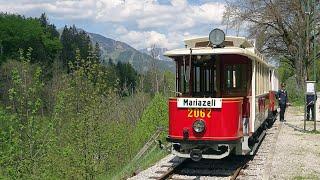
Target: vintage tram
{"type": "Point", "coordinates": [225, 97]}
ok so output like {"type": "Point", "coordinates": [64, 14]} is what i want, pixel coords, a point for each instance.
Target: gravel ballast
{"type": "Point", "coordinates": [297, 153]}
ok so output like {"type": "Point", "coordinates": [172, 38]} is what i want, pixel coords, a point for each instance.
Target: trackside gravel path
{"type": "Point", "coordinates": [297, 153]}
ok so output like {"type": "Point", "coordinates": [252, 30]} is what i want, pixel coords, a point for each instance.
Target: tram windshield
{"type": "Point", "coordinates": [209, 76]}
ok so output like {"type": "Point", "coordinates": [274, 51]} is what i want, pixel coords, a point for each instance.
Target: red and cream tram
{"type": "Point", "coordinates": [225, 97]}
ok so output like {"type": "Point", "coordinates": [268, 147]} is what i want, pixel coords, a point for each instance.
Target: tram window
{"type": "Point", "coordinates": [215, 80]}
{"type": "Point", "coordinates": [208, 80]}
{"type": "Point", "coordinates": [228, 77]}
{"type": "Point", "coordinates": [257, 78]}
{"type": "Point", "coordinates": [235, 77]}
{"type": "Point", "coordinates": [197, 77]}
{"type": "Point", "coordinates": [183, 79]}
{"type": "Point", "coordinates": [202, 78]}
{"type": "Point", "coordinates": [234, 84]}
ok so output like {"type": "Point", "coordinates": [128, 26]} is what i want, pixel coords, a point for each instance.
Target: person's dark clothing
{"type": "Point", "coordinates": [282, 96]}
{"type": "Point", "coordinates": [282, 111]}
{"type": "Point", "coordinates": [311, 98]}
{"type": "Point", "coordinates": [282, 99]}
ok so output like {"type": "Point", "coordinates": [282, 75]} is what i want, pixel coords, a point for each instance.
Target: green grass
{"type": "Point", "coordinates": [311, 132]}
{"type": "Point", "coordinates": [307, 177]}
{"type": "Point", "coordinates": [314, 132]}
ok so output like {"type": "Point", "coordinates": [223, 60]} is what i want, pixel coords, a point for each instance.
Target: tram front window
{"type": "Point", "coordinates": [202, 81]}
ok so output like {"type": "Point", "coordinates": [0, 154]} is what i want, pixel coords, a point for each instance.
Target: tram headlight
{"type": "Point", "coordinates": [199, 126]}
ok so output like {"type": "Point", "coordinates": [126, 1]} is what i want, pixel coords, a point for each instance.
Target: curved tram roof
{"type": "Point", "coordinates": [234, 45]}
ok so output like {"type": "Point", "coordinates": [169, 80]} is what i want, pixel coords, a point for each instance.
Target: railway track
{"type": "Point", "coordinates": [233, 167]}
{"type": "Point", "coordinates": [228, 168]}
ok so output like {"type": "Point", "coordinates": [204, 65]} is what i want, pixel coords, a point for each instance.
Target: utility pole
{"type": "Point", "coordinates": [307, 13]}
{"type": "Point", "coordinates": [314, 56]}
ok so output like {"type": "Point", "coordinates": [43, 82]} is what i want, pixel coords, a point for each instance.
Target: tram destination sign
{"type": "Point", "coordinates": [199, 102]}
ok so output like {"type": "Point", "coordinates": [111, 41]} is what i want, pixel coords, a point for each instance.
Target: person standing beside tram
{"type": "Point", "coordinates": [282, 96]}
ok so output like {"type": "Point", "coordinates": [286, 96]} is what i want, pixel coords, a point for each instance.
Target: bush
{"type": "Point", "coordinates": [155, 116]}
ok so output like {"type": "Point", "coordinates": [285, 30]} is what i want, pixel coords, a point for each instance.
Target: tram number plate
{"type": "Point", "coordinates": [199, 113]}
{"type": "Point", "coordinates": [199, 102]}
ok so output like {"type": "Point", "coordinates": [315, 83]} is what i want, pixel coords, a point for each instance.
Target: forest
{"type": "Point", "coordinates": [66, 112]}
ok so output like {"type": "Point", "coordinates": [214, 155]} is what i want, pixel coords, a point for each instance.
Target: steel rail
{"type": "Point", "coordinates": [171, 170]}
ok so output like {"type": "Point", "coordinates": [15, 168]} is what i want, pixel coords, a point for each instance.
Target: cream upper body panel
{"type": "Point", "coordinates": [236, 45]}
{"type": "Point", "coordinates": [248, 52]}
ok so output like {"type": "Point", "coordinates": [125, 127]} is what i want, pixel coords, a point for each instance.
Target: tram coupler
{"type": "Point", "coordinates": [196, 154]}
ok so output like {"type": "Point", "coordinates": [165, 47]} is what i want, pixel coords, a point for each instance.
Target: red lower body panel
{"type": "Point", "coordinates": [221, 124]}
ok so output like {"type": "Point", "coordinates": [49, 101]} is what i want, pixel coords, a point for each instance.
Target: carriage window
{"type": "Point", "coordinates": [208, 79]}
{"type": "Point", "coordinates": [183, 86]}
{"type": "Point", "coordinates": [235, 76]}
{"type": "Point", "coordinates": [197, 78]}
{"type": "Point", "coordinates": [203, 79]}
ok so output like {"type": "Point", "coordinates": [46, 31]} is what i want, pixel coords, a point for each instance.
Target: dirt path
{"type": "Point", "coordinates": [297, 153]}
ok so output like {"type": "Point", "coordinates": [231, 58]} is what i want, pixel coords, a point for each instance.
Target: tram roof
{"type": "Point", "coordinates": [234, 45]}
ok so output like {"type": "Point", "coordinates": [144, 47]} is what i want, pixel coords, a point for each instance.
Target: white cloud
{"type": "Point", "coordinates": [179, 3]}
{"type": "Point", "coordinates": [143, 39]}
{"type": "Point", "coordinates": [150, 14]}
{"type": "Point", "coordinates": [209, 12]}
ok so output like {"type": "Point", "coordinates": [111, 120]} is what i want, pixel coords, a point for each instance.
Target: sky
{"type": "Point", "coordinates": [140, 23]}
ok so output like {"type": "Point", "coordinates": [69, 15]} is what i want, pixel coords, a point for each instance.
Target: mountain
{"type": "Point", "coordinates": [158, 52]}
{"type": "Point", "coordinates": [120, 51]}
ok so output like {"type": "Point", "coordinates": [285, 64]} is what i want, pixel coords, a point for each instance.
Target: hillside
{"type": "Point", "coordinates": [119, 51]}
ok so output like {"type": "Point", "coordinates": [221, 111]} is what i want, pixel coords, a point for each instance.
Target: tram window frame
{"type": "Point", "coordinates": [203, 78]}
{"type": "Point", "coordinates": [183, 71]}
{"type": "Point", "coordinates": [197, 81]}
{"type": "Point", "coordinates": [258, 78]}
{"type": "Point", "coordinates": [235, 78]}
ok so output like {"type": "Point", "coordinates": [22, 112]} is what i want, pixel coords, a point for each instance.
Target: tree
{"type": "Point", "coordinates": [127, 78]}
{"type": "Point", "coordinates": [97, 50]}
{"type": "Point", "coordinates": [72, 39]}
{"type": "Point", "coordinates": [18, 32]}
{"type": "Point", "coordinates": [154, 72]}
{"type": "Point", "coordinates": [280, 29]}
{"type": "Point", "coordinates": [49, 28]}
{"type": "Point", "coordinates": [26, 136]}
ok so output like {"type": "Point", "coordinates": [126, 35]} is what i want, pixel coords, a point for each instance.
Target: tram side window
{"type": "Point", "coordinates": [183, 79]}
{"type": "Point", "coordinates": [235, 77]}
